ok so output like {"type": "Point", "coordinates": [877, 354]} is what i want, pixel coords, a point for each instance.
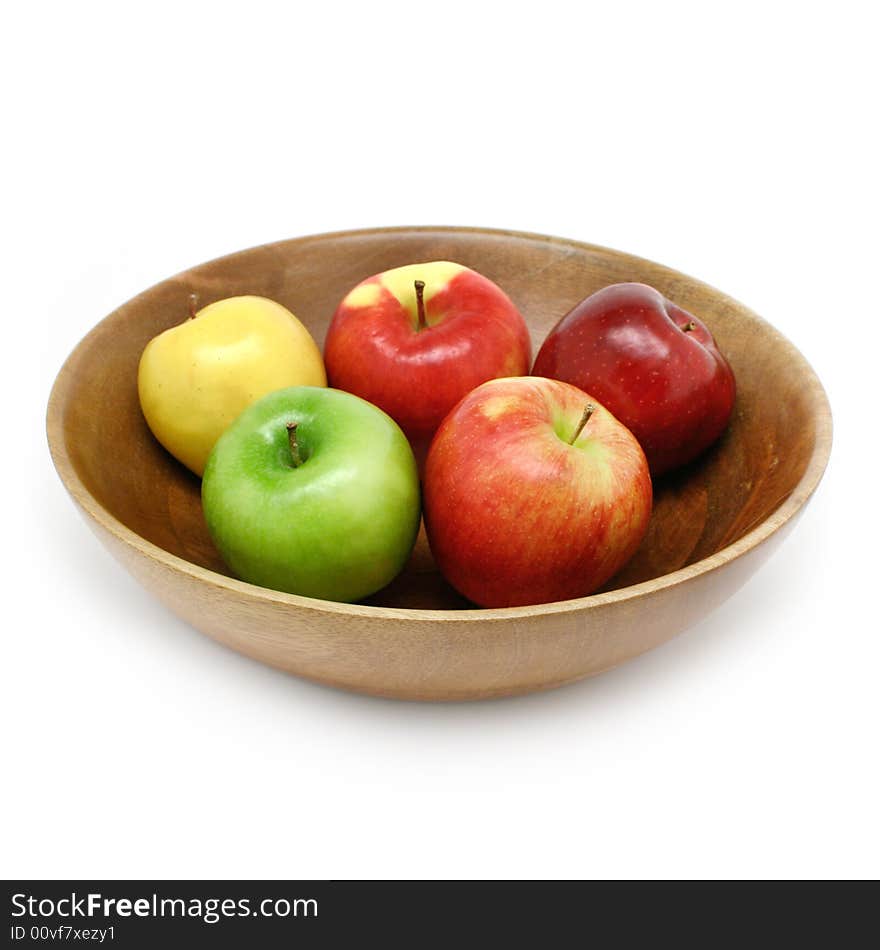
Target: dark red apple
{"type": "Point", "coordinates": [532, 493]}
{"type": "Point", "coordinates": [653, 365]}
{"type": "Point", "coordinates": [415, 339]}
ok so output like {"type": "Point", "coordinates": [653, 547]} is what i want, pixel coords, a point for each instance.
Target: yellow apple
{"type": "Point", "coordinates": [195, 379]}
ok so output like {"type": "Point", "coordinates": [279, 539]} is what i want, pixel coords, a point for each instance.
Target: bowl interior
{"type": "Point", "coordinates": [697, 511]}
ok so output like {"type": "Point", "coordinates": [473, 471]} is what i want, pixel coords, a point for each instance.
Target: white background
{"type": "Point", "coordinates": [739, 147]}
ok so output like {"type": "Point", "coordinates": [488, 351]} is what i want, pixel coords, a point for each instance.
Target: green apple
{"type": "Point", "coordinates": [315, 492]}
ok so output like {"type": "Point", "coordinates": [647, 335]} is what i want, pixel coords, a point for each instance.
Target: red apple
{"type": "Point", "coordinates": [652, 364]}
{"type": "Point", "coordinates": [415, 339]}
{"type": "Point", "coordinates": [533, 492]}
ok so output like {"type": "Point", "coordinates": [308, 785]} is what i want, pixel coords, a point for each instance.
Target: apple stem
{"type": "Point", "coordinates": [420, 303]}
{"type": "Point", "coordinates": [193, 304]}
{"type": "Point", "coordinates": [295, 457]}
{"type": "Point", "coordinates": [690, 325]}
{"type": "Point", "coordinates": [589, 409]}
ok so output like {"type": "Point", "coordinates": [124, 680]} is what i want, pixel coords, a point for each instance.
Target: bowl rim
{"type": "Point", "coordinates": [789, 507]}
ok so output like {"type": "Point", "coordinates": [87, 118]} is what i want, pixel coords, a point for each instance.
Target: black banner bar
{"type": "Point", "coordinates": [267, 914]}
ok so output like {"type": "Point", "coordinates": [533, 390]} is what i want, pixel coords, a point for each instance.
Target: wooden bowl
{"type": "Point", "coordinates": [713, 523]}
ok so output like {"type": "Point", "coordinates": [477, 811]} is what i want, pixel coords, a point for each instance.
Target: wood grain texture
{"type": "Point", "coordinates": [713, 522]}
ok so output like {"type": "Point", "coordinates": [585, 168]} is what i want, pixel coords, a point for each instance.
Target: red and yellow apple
{"type": "Point", "coordinates": [533, 492]}
{"type": "Point", "coordinates": [652, 364]}
{"type": "Point", "coordinates": [414, 340]}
